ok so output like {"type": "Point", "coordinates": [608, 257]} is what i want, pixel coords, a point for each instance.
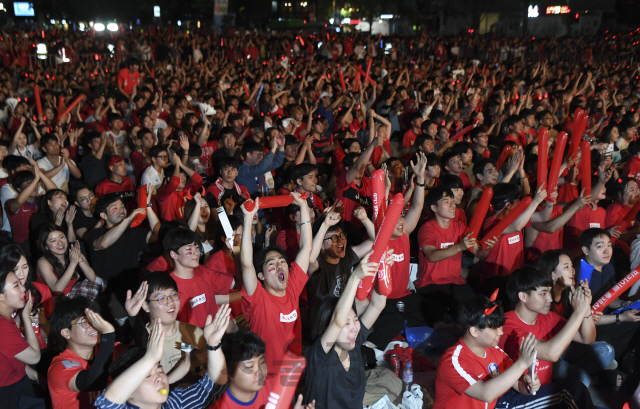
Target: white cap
{"type": "Point", "coordinates": [286, 122]}
{"type": "Point", "coordinates": [325, 94]}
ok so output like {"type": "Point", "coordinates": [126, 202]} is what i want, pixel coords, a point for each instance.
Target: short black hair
{"type": "Point", "coordinates": [228, 162]}
{"type": "Point", "coordinates": [447, 156]}
{"type": "Point", "coordinates": [159, 280]}
{"type": "Point", "coordinates": [471, 314]}
{"type": "Point", "coordinates": [350, 159]}
{"type": "Point", "coordinates": [451, 182]}
{"type": "Point", "coordinates": [13, 162]}
{"type": "Point", "coordinates": [166, 227]}
{"type": "Point", "coordinates": [104, 202]}
{"type": "Point", "coordinates": [301, 170]}
{"type": "Point", "coordinates": [435, 195]}
{"type": "Point", "coordinates": [46, 138]}
{"type": "Point", "coordinates": [526, 279]}
{"type": "Point", "coordinates": [587, 236]}
{"type": "Point", "coordinates": [241, 346]}
{"type": "Point", "coordinates": [65, 311]}
{"type": "Point", "coordinates": [478, 167]}
{"type": "Point", "coordinates": [290, 140]}
{"type": "Point", "coordinates": [504, 193]}
{"type": "Point", "coordinates": [177, 238]}
{"type": "Point", "coordinates": [90, 136]}
{"type": "Point", "coordinates": [347, 143]}
{"type": "Point", "coordinates": [20, 178]}
{"type": "Point", "coordinates": [250, 147]}
{"type": "Point", "coordinates": [550, 259]}
{"type": "Point", "coordinates": [157, 150]}
{"type": "Point", "coordinates": [261, 257]}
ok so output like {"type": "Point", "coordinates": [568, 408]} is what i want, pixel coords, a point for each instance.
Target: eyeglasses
{"type": "Point", "coordinates": [335, 237]}
{"type": "Point", "coordinates": [163, 300]}
{"type": "Point", "coordinates": [84, 323]}
{"type": "Point", "coordinates": [87, 198]}
{"type": "Point", "coordinates": [162, 156]}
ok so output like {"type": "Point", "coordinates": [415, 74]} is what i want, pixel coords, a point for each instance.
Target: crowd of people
{"type": "Point", "coordinates": [184, 219]}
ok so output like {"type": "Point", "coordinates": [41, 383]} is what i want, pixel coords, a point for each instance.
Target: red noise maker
{"type": "Point", "coordinates": [486, 153]}
{"type": "Point", "coordinates": [356, 85]}
{"type": "Point", "coordinates": [493, 298]}
{"type": "Point", "coordinates": [585, 167]}
{"type": "Point", "coordinates": [344, 87]}
{"type": "Point", "coordinates": [579, 124]}
{"type": "Point", "coordinates": [378, 196]}
{"type": "Point", "coordinates": [36, 93]}
{"type": "Point", "coordinates": [60, 106]}
{"type": "Point", "coordinates": [480, 213]}
{"type": "Point", "coordinates": [503, 156]}
{"type": "Point", "coordinates": [464, 131]}
{"type": "Point", "coordinates": [143, 194]}
{"type": "Point", "coordinates": [556, 164]}
{"type": "Point", "coordinates": [615, 291]}
{"type": "Point", "coordinates": [286, 382]}
{"type": "Point", "coordinates": [506, 222]}
{"type": "Point", "coordinates": [542, 156]}
{"type": "Point", "coordinates": [71, 106]}
{"type": "Point", "coordinates": [269, 202]}
{"type": "Point", "coordinates": [382, 239]}
{"type": "Point", "coordinates": [366, 74]}
{"type": "Point", "coordinates": [246, 90]}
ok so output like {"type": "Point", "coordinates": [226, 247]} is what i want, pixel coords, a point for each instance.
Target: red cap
{"type": "Point", "coordinates": [114, 160]}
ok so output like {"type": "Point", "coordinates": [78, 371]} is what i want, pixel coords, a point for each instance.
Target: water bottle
{"type": "Point", "coordinates": [198, 167]}
{"type": "Point", "coordinates": [407, 375]}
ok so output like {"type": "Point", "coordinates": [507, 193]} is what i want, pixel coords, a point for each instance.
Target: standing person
{"type": "Point", "coordinates": [154, 174]}
{"type": "Point", "coordinates": [251, 173]}
{"type": "Point", "coordinates": [56, 164]}
{"type": "Point", "coordinates": [77, 375]}
{"type": "Point", "coordinates": [129, 77]}
{"type": "Point", "coordinates": [93, 163]}
{"type": "Point", "coordinates": [335, 366]}
{"type": "Point", "coordinates": [16, 350]}
{"type": "Point", "coordinates": [117, 181]}
{"type": "Point", "coordinates": [272, 288]}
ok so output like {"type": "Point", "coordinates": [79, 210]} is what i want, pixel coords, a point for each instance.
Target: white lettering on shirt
{"type": "Point", "coordinates": [398, 257]}
{"type": "Point", "coordinates": [514, 239]}
{"type": "Point", "coordinates": [289, 317]}
{"type": "Point", "coordinates": [594, 225]}
{"type": "Point", "coordinates": [445, 245]}
{"type": "Point", "coordinates": [197, 300]}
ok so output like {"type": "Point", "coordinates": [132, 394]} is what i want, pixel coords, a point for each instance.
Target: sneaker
{"type": "Point", "coordinates": [409, 401]}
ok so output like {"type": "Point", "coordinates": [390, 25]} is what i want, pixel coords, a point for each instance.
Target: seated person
{"type": "Point", "coordinates": [83, 368]}
{"type": "Point", "coordinates": [142, 382]}
{"type": "Point", "coordinates": [175, 189]}
{"type": "Point", "coordinates": [305, 176]}
{"type": "Point", "coordinates": [118, 180]}
{"type": "Point", "coordinates": [226, 187]}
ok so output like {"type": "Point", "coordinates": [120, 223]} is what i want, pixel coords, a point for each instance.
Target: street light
{"type": "Point", "coordinates": [98, 27]}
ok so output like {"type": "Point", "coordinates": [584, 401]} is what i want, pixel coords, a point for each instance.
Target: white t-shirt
{"type": "Point", "coordinates": [29, 151]}
{"type": "Point", "coordinates": [160, 124]}
{"type": "Point", "coordinates": [150, 175]}
{"type": "Point", "coordinates": [119, 138]}
{"type": "Point", "coordinates": [61, 179]}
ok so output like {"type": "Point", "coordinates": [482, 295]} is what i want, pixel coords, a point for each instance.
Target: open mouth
{"type": "Point", "coordinates": [341, 248]}
{"type": "Point", "coordinates": [281, 277]}
{"type": "Point", "coordinates": [171, 311]}
{"type": "Point", "coordinates": [93, 334]}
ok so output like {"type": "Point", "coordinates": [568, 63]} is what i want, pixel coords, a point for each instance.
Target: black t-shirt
{"type": "Point", "coordinates": [81, 221]}
{"type": "Point", "coordinates": [327, 380]}
{"type": "Point", "coordinates": [94, 170]}
{"type": "Point", "coordinates": [329, 280]}
{"type": "Point", "coordinates": [122, 257]}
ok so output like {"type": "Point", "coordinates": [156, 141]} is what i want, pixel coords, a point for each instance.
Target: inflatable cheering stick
{"type": "Point", "coordinates": [143, 194]}
{"type": "Point", "coordinates": [542, 156]}
{"type": "Point", "coordinates": [268, 202]}
{"type": "Point", "coordinates": [475, 225]}
{"type": "Point", "coordinates": [71, 106]}
{"type": "Point", "coordinates": [615, 291]}
{"type": "Point", "coordinates": [36, 93]}
{"type": "Point", "coordinates": [506, 222]}
{"type": "Point", "coordinates": [286, 382]}
{"type": "Point", "coordinates": [556, 164]}
{"type": "Point", "coordinates": [503, 156]}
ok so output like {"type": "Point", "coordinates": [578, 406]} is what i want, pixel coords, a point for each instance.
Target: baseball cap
{"type": "Point", "coordinates": [114, 160]}
{"type": "Point", "coordinates": [325, 94]}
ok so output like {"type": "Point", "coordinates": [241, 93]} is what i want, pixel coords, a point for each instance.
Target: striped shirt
{"type": "Point", "coordinates": [200, 395]}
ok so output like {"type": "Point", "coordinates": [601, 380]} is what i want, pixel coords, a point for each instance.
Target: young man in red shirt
{"type": "Point", "coordinates": [272, 288]}
{"type": "Point", "coordinates": [452, 164]}
{"type": "Point", "coordinates": [173, 194]}
{"type": "Point", "coordinates": [410, 136]}
{"type": "Point", "coordinates": [118, 180]}
{"type": "Point", "coordinates": [78, 374]}
{"type": "Point", "coordinates": [129, 77]}
{"type": "Point", "coordinates": [529, 290]}
{"type": "Point", "coordinates": [305, 176]}
{"type": "Point", "coordinates": [476, 374]}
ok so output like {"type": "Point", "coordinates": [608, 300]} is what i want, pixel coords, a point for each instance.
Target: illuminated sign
{"type": "Point", "coordinates": [558, 10]}
{"type": "Point", "coordinates": [156, 11]}
{"type": "Point", "coordinates": [533, 12]}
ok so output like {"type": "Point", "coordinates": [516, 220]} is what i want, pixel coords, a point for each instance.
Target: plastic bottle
{"type": "Point", "coordinates": [407, 375]}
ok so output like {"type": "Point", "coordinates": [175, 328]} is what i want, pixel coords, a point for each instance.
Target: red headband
{"type": "Point", "coordinates": [494, 296]}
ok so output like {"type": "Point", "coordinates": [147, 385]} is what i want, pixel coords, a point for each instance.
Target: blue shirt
{"type": "Point", "coordinates": [252, 176]}
{"type": "Point", "coordinates": [197, 396]}
{"type": "Point", "coordinates": [601, 281]}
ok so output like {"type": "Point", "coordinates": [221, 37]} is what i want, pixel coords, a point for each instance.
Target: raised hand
{"type": "Point", "coordinates": [215, 328]}
{"type": "Point", "coordinates": [366, 268]}
{"type": "Point", "coordinates": [155, 346]}
{"type": "Point", "coordinates": [467, 242]}
{"type": "Point", "coordinates": [528, 349]}
{"type": "Point", "coordinates": [70, 215]}
{"type": "Point", "coordinates": [103, 326]}
{"type": "Point", "coordinates": [133, 303]}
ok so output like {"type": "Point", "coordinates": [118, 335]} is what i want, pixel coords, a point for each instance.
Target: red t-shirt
{"type": "Point", "coordinates": [461, 216]}
{"type": "Point", "coordinates": [228, 401]}
{"type": "Point", "coordinates": [336, 160]}
{"type": "Point", "coordinates": [108, 186]}
{"type": "Point", "coordinates": [207, 149]}
{"type": "Point", "coordinates": [506, 256]}
{"type": "Point", "coordinates": [615, 212]}
{"type": "Point", "coordinates": [224, 266]}
{"type": "Point", "coordinates": [567, 193]}
{"type": "Point", "coordinates": [62, 369]}
{"type": "Point", "coordinates": [275, 319]}
{"type": "Point", "coordinates": [408, 140]}
{"type": "Point", "coordinates": [632, 168]}
{"type": "Point", "coordinates": [401, 268]}
{"type": "Point", "coordinates": [11, 369]}
{"type": "Point", "coordinates": [515, 330]}
{"type": "Point", "coordinates": [466, 183]}
{"type": "Point", "coordinates": [353, 196]}
{"type": "Point", "coordinates": [127, 80]}
{"type": "Point", "coordinates": [459, 368]}
{"type": "Point", "coordinates": [289, 240]}
{"type": "Point", "coordinates": [20, 220]}
{"type": "Point", "coordinates": [584, 219]}
{"type": "Point", "coordinates": [548, 241]}
{"type": "Point", "coordinates": [445, 271]}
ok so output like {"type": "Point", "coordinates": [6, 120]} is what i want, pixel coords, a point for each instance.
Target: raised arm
{"type": "Point", "coordinates": [364, 247]}
{"type": "Point", "coordinates": [306, 238]}
{"type": "Point", "coordinates": [331, 219]}
{"type": "Point", "coordinates": [214, 329]}
{"type": "Point", "coordinates": [362, 161]}
{"type": "Point", "coordinates": [30, 355]}
{"type": "Point", "coordinates": [114, 233]}
{"type": "Point", "coordinates": [249, 277]}
{"type": "Point", "coordinates": [412, 217]}
{"type": "Point", "coordinates": [521, 221]}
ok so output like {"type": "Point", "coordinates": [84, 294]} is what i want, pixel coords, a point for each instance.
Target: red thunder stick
{"type": "Point", "coordinates": [382, 239]}
{"type": "Point", "coordinates": [506, 222]}
{"type": "Point", "coordinates": [503, 157]}
{"type": "Point", "coordinates": [60, 106]}
{"type": "Point", "coordinates": [616, 291]}
{"type": "Point", "coordinates": [378, 196]}
{"type": "Point", "coordinates": [462, 132]}
{"type": "Point", "coordinates": [286, 382]}
{"type": "Point", "coordinates": [36, 92]}
{"type": "Point", "coordinates": [143, 194]}
{"type": "Point", "coordinates": [246, 90]}
{"type": "Point", "coordinates": [585, 167]}
{"type": "Point", "coordinates": [576, 133]}
{"type": "Point", "coordinates": [556, 164]}
{"type": "Point", "coordinates": [475, 225]}
{"type": "Point", "coordinates": [71, 106]}
{"type": "Point", "coordinates": [268, 202]}
{"type": "Point", "coordinates": [486, 153]}
{"type": "Point", "coordinates": [344, 87]}
{"type": "Point", "coordinates": [542, 156]}
{"type": "Point", "coordinates": [366, 75]}
{"type": "Point", "coordinates": [356, 86]}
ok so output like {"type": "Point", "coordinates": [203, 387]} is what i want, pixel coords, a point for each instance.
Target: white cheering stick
{"type": "Point", "coordinates": [224, 220]}
{"type": "Point", "coordinates": [532, 368]}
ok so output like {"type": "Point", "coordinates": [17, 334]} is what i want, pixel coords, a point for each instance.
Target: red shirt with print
{"type": "Point", "coordinates": [446, 271]}
{"type": "Point", "coordinates": [508, 253]}
{"type": "Point", "coordinates": [20, 220]}
{"type": "Point", "coordinates": [61, 371]}
{"type": "Point", "coordinates": [584, 219]}
{"type": "Point", "coordinates": [632, 168]}
{"type": "Point", "coordinates": [548, 241]}
{"type": "Point", "coordinates": [401, 268]}
{"type": "Point", "coordinates": [353, 196]}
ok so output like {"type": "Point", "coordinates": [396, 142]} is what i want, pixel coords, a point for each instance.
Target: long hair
{"type": "Point", "coordinates": [44, 206]}
{"type": "Point", "coordinates": [10, 256]}
{"type": "Point", "coordinates": [58, 268]}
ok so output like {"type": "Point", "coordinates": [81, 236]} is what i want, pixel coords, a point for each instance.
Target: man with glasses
{"type": "Point", "coordinates": [78, 374]}
{"type": "Point", "coordinates": [252, 172]}
{"type": "Point", "coordinates": [158, 296]}
{"type": "Point", "coordinates": [154, 174]}
{"type": "Point", "coordinates": [84, 220]}
{"type": "Point", "coordinates": [332, 260]}
{"type": "Point", "coordinates": [202, 289]}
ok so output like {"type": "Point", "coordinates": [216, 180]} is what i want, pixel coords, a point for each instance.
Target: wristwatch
{"type": "Point", "coordinates": [618, 319]}
{"type": "Point", "coordinates": [215, 348]}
